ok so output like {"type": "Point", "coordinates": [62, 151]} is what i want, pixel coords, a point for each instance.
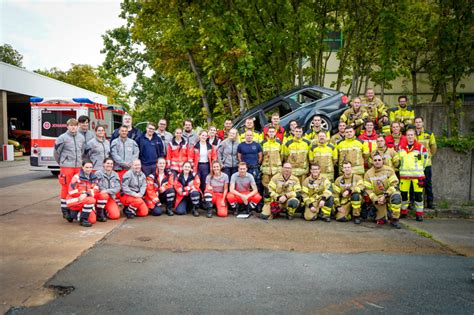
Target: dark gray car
{"type": "Point", "coordinates": [300, 104]}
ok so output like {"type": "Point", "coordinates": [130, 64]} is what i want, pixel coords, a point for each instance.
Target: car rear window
{"type": "Point", "coordinates": [308, 96]}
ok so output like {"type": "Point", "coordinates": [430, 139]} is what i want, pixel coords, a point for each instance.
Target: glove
{"type": "Point", "coordinates": [421, 182]}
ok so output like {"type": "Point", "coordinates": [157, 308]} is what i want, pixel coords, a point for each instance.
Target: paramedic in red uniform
{"type": "Point", "coordinates": [68, 151]}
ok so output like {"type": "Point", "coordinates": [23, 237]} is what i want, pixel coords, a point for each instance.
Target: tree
{"type": "Point", "coordinates": [97, 80]}
{"type": "Point", "coordinates": [11, 56]}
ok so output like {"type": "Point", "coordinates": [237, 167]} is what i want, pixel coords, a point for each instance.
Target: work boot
{"type": "Point", "coordinates": [65, 212]}
{"type": "Point", "coordinates": [248, 210]}
{"type": "Point", "coordinates": [209, 213]}
{"type": "Point", "coordinates": [235, 210]}
{"type": "Point", "coordinates": [395, 224]}
{"type": "Point", "coordinates": [289, 216]}
{"type": "Point", "coordinates": [84, 221]}
{"type": "Point", "coordinates": [170, 211]}
{"type": "Point", "coordinates": [328, 219]}
{"type": "Point", "coordinates": [381, 221]}
{"type": "Point", "coordinates": [71, 216]}
{"type": "Point", "coordinates": [195, 211]}
{"type": "Point", "coordinates": [264, 217]}
{"type": "Point", "coordinates": [430, 205]}
{"type": "Point", "coordinates": [128, 213]}
{"type": "Point", "coordinates": [356, 220]}
{"type": "Point", "coordinates": [419, 218]}
{"type": "Point", "coordinates": [101, 215]}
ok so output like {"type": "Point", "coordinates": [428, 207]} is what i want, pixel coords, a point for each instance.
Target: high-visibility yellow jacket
{"type": "Point", "coordinates": [325, 155]}
{"type": "Point", "coordinates": [403, 115]}
{"type": "Point", "coordinates": [357, 118]}
{"type": "Point", "coordinates": [315, 190]}
{"type": "Point", "coordinates": [375, 108]}
{"type": "Point", "coordinates": [280, 186]}
{"type": "Point", "coordinates": [428, 140]}
{"type": "Point", "coordinates": [354, 183]}
{"type": "Point", "coordinates": [390, 158]}
{"type": "Point", "coordinates": [312, 134]}
{"type": "Point", "coordinates": [257, 136]}
{"type": "Point", "coordinates": [413, 161]}
{"type": "Point", "coordinates": [296, 153]}
{"type": "Point", "coordinates": [271, 163]}
{"type": "Point", "coordinates": [380, 181]}
{"type": "Point", "coordinates": [354, 151]}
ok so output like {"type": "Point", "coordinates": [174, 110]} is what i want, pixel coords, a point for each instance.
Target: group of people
{"type": "Point", "coordinates": [376, 165]}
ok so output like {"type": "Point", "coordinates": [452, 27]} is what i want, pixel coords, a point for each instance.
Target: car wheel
{"type": "Point", "coordinates": [325, 124]}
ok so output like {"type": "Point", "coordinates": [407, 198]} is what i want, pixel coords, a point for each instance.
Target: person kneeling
{"type": "Point", "coordinates": [82, 194]}
{"type": "Point", "coordinates": [133, 189]}
{"type": "Point", "coordinates": [160, 189]}
{"type": "Point", "coordinates": [317, 195]}
{"type": "Point", "coordinates": [187, 191]}
{"type": "Point", "coordinates": [347, 194]}
{"type": "Point", "coordinates": [243, 190]}
{"type": "Point", "coordinates": [381, 185]}
{"type": "Point", "coordinates": [217, 184]}
{"type": "Point", "coordinates": [285, 191]}
{"type": "Point", "coordinates": [109, 186]}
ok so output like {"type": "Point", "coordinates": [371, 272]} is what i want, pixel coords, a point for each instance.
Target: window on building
{"type": "Point", "coordinates": [333, 41]}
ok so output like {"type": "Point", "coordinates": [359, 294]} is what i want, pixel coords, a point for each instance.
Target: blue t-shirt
{"type": "Point", "coordinates": [249, 152]}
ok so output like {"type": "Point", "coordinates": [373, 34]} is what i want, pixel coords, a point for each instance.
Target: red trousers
{"type": "Point", "coordinates": [85, 205]}
{"type": "Point", "coordinates": [65, 176]}
{"type": "Point", "coordinates": [217, 199]}
{"type": "Point", "coordinates": [231, 198]}
{"type": "Point", "coordinates": [105, 201]}
{"type": "Point", "coordinates": [135, 203]}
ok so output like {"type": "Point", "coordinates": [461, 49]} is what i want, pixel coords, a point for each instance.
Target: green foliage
{"type": "Point", "coordinates": [218, 58]}
{"type": "Point", "coordinates": [462, 144]}
{"type": "Point", "coordinates": [11, 56]}
{"type": "Point", "coordinates": [97, 80]}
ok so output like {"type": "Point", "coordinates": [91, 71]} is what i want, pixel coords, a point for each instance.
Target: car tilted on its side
{"type": "Point", "coordinates": [300, 104]}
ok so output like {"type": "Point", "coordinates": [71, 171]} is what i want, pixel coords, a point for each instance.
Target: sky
{"type": "Point", "coordinates": [58, 33]}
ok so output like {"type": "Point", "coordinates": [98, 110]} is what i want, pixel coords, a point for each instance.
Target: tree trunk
{"type": "Point", "coordinates": [229, 99]}
{"type": "Point", "coordinates": [241, 100]}
{"type": "Point", "coordinates": [415, 88]}
{"type": "Point", "coordinates": [205, 103]}
{"type": "Point", "coordinates": [382, 90]}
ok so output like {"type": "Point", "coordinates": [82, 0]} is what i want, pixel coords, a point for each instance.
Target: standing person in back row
{"type": "Point", "coordinates": [164, 135]}
{"type": "Point", "coordinates": [150, 147]}
{"type": "Point", "coordinates": [84, 128]}
{"type": "Point", "coordinates": [68, 151]}
{"type": "Point", "coordinates": [189, 134]}
{"type": "Point", "coordinates": [132, 133]}
{"type": "Point", "coordinates": [376, 110]}
{"type": "Point", "coordinates": [227, 153]}
{"type": "Point", "coordinates": [123, 151]}
{"type": "Point", "coordinates": [428, 140]}
{"type": "Point", "coordinates": [98, 148]}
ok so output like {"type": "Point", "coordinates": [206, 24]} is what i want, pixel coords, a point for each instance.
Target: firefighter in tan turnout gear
{"type": "Point", "coordinates": [285, 191]}
{"type": "Point", "coordinates": [317, 195]}
{"type": "Point", "coordinates": [381, 184]}
{"type": "Point", "coordinates": [271, 163]}
{"type": "Point", "coordinates": [347, 194]}
{"type": "Point", "coordinates": [352, 150]}
{"type": "Point", "coordinates": [325, 155]}
{"type": "Point", "coordinates": [296, 152]}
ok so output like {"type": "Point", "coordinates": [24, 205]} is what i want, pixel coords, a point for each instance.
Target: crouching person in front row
{"type": "Point", "coordinates": [285, 191]}
{"type": "Point", "coordinates": [217, 185]}
{"type": "Point", "coordinates": [160, 190]}
{"type": "Point", "coordinates": [347, 194]}
{"type": "Point", "coordinates": [82, 194]}
{"type": "Point", "coordinates": [381, 185]}
{"type": "Point", "coordinates": [109, 186]}
{"type": "Point", "coordinates": [133, 189]}
{"type": "Point", "coordinates": [187, 191]}
{"type": "Point", "coordinates": [243, 190]}
{"type": "Point", "coordinates": [317, 195]}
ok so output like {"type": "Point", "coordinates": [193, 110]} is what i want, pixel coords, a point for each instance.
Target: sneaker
{"type": "Point", "coordinates": [395, 225]}
{"type": "Point", "coordinates": [419, 218]}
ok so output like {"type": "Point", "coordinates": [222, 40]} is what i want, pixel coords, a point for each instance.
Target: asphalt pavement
{"type": "Point", "coordinates": [222, 265]}
{"type": "Point", "coordinates": [111, 279]}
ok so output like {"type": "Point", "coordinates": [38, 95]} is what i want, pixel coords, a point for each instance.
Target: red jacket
{"type": "Point", "coordinates": [391, 143]}
{"type": "Point", "coordinates": [155, 187]}
{"type": "Point", "coordinates": [222, 134]}
{"type": "Point", "coordinates": [211, 155]}
{"type": "Point", "coordinates": [280, 133]}
{"type": "Point", "coordinates": [79, 185]}
{"type": "Point", "coordinates": [177, 154]}
{"type": "Point", "coordinates": [185, 187]}
{"type": "Point", "coordinates": [371, 140]}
